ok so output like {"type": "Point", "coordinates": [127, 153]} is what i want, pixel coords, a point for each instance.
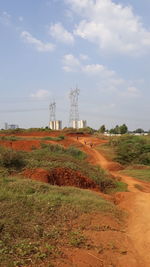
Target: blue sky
{"type": "Point", "coordinates": [48, 47]}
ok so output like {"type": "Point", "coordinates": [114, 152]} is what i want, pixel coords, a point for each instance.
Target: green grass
{"type": "Point", "coordinates": [107, 151]}
{"type": "Point", "coordinates": [49, 138]}
{"type": "Point", "coordinates": [10, 138]}
{"type": "Point", "coordinates": [120, 187]}
{"type": "Point", "coordinates": [141, 174]}
{"type": "Point", "coordinates": [37, 220]}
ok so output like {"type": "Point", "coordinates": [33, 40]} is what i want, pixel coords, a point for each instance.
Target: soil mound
{"type": "Point", "coordinates": [68, 177]}
{"type": "Point", "coordinates": [61, 177]}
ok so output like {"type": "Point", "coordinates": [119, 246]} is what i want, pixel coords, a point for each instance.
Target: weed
{"type": "Point", "coordinates": [76, 239]}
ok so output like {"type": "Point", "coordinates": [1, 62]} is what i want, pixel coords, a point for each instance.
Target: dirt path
{"type": "Point", "coordinates": [136, 202]}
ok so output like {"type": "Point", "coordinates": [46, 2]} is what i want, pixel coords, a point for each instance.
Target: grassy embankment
{"type": "Point", "coordinates": [53, 156]}
{"type": "Point", "coordinates": [18, 138]}
{"type": "Point", "coordinates": [133, 152]}
{"type": "Point", "coordinates": [37, 220]}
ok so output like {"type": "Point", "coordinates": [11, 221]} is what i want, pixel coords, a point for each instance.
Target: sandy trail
{"type": "Point", "coordinates": [136, 202]}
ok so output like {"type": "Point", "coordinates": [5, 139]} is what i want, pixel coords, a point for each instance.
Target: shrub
{"type": "Point", "coordinates": [12, 159]}
{"type": "Point", "coordinates": [132, 149]}
{"type": "Point", "coordinates": [73, 151]}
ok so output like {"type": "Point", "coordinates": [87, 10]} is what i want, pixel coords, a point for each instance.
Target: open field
{"type": "Point", "coordinates": [89, 222]}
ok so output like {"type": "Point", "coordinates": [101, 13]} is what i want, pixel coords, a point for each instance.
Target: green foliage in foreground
{"type": "Point", "coordinates": [132, 149]}
{"type": "Point", "coordinates": [36, 220]}
{"type": "Point", "coordinates": [141, 174]}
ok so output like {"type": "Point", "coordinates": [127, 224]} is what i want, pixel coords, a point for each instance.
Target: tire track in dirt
{"type": "Point", "coordinates": [137, 204]}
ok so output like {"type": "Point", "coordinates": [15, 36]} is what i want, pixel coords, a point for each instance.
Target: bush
{"type": "Point", "coordinates": [132, 149]}
{"type": "Point", "coordinates": [73, 151]}
{"type": "Point", "coordinates": [12, 159]}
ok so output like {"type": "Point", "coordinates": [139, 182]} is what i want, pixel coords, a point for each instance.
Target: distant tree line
{"type": "Point", "coordinates": [120, 129]}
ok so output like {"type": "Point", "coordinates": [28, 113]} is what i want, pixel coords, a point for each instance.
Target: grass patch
{"type": "Point", "coordinates": [10, 138]}
{"type": "Point", "coordinates": [107, 150]}
{"type": "Point", "coordinates": [59, 138]}
{"type": "Point", "coordinates": [77, 239]}
{"type": "Point", "coordinates": [120, 187]}
{"type": "Point", "coordinates": [143, 174]}
{"type": "Point", "coordinates": [36, 220]}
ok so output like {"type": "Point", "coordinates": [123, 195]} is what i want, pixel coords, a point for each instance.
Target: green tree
{"type": "Point", "coordinates": [139, 130]}
{"type": "Point", "coordinates": [123, 129]}
{"type": "Point", "coordinates": [102, 129]}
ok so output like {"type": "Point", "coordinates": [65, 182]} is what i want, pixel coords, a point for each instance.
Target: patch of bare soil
{"type": "Point", "coordinates": [61, 177]}
{"type": "Point", "coordinates": [39, 174]}
{"type": "Point", "coordinates": [24, 145]}
{"type": "Point", "coordinates": [106, 244]}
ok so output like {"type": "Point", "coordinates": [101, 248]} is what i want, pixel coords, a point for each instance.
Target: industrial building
{"type": "Point", "coordinates": [55, 125]}
{"type": "Point", "coordinates": [82, 124]}
{"type": "Point", "coordinates": [79, 124]}
{"type": "Point", "coordinates": [11, 126]}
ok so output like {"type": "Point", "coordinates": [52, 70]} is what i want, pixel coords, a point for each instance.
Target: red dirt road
{"type": "Point", "coordinates": [137, 204]}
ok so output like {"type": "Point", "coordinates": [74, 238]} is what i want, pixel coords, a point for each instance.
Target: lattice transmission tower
{"type": "Point", "coordinates": [52, 108]}
{"type": "Point", "coordinates": [74, 111]}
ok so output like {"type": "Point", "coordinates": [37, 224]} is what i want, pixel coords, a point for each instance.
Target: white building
{"type": "Point", "coordinates": [55, 125]}
{"type": "Point", "coordinates": [11, 126]}
{"type": "Point", "coordinates": [82, 124]}
{"type": "Point", "coordinates": [79, 124]}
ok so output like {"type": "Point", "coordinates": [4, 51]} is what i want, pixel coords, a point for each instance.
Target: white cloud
{"type": "Point", "coordinates": [98, 69]}
{"type": "Point", "coordinates": [40, 94]}
{"type": "Point", "coordinates": [58, 32]}
{"type": "Point", "coordinates": [70, 63]}
{"type": "Point", "coordinates": [107, 80]}
{"type": "Point", "coordinates": [38, 44]}
{"type": "Point", "coordinates": [5, 18]}
{"type": "Point", "coordinates": [112, 26]}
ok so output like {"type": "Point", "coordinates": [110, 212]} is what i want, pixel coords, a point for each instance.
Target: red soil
{"type": "Point", "coordinates": [61, 177]}
{"type": "Point", "coordinates": [37, 174]}
{"type": "Point", "coordinates": [25, 145]}
{"type": "Point", "coordinates": [137, 237]}
{"type": "Point", "coordinates": [36, 134]}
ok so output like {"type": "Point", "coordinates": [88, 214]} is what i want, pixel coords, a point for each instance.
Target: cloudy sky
{"type": "Point", "coordinates": [48, 47]}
